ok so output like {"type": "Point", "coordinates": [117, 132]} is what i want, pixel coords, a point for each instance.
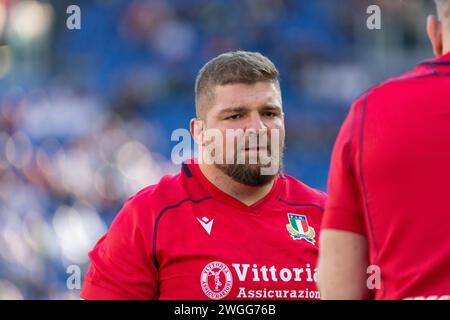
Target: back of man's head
{"type": "Point", "coordinates": [443, 9]}
{"type": "Point", "coordinates": [438, 28]}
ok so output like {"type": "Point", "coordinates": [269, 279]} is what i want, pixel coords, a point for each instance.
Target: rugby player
{"type": "Point", "coordinates": [385, 226]}
{"type": "Point", "coordinates": [219, 230]}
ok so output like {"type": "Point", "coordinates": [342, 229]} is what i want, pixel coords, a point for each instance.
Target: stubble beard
{"type": "Point", "coordinates": [250, 174]}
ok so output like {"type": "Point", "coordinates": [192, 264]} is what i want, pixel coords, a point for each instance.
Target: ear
{"type": "Point", "coordinates": [434, 31]}
{"type": "Point", "coordinates": [196, 127]}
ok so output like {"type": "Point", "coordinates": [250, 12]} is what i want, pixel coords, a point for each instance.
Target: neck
{"type": "Point", "coordinates": [246, 194]}
{"type": "Point", "coordinates": [446, 47]}
{"type": "Point", "coordinates": [446, 37]}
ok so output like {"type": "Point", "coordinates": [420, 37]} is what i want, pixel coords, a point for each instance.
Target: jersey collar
{"type": "Point", "coordinates": [192, 169]}
{"type": "Point", "coordinates": [442, 60]}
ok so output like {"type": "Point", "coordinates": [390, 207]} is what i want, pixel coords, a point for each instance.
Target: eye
{"type": "Point", "coordinates": [270, 114]}
{"type": "Point", "coordinates": [233, 117]}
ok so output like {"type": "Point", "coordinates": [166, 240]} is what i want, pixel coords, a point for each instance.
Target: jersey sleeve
{"type": "Point", "coordinates": [343, 209]}
{"type": "Point", "coordinates": [121, 264]}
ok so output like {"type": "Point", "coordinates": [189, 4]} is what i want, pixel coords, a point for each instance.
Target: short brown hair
{"type": "Point", "coordinates": [230, 68]}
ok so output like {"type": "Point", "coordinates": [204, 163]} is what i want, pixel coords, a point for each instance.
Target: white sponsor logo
{"type": "Point", "coordinates": [278, 294]}
{"type": "Point", "coordinates": [216, 280]}
{"type": "Point", "coordinates": [272, 274]}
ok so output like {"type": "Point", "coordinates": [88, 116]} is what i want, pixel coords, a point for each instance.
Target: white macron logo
{"type": "Point", "coordinates": [206, 224]}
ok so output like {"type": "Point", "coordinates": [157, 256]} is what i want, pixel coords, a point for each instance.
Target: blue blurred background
{"type": "Point", "coordinates": [86, 115]}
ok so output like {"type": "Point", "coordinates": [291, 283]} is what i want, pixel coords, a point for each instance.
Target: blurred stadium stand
{"type": "Point", "coordinates": [86, 115]}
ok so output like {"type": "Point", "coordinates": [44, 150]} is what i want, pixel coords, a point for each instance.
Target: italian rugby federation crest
{"type": "Point", "coordinates": [299, 228]}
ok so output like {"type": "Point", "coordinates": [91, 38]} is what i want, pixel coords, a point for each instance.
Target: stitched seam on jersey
{"type": "Point", "coordinates": [155, 233]}
{"type": "Point", "coordinates": [381, 85]}
{"type": "Point", "coordinates": [439, 63]}
{"type": "Point", "coordinates": [432, 73]}
{"type": "Point", "coordinates": [349, 142]}
{"type": "Point", "coordinates": [301, 204]}
{"type": "Point", "coordinates": [186, 170]}
{"type": "Point", "coordinates": [363, 184]}
{"type": "Point", "coordinates": [361, 174]}
{"type": "Point", "coordinates": [158, 218]}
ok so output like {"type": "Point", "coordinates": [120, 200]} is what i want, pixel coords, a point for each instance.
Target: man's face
{"type": "Point", "coordinates": [251, 122]}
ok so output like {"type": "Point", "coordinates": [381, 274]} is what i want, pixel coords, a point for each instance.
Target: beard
{"type": "Point", "coordinates": [250, 174]}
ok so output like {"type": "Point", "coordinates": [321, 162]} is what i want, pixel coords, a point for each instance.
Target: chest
{"type": "Point", "coordinates": [215, 251]}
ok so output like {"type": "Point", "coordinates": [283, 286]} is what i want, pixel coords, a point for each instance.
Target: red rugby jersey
{"type": "Point", "coordinates": [389, 177]}
{"type": "Point", "coordinates": [184, 238]}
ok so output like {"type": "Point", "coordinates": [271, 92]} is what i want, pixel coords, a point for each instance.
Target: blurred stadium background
{"type": "Point", "coordinates": [86, 115]}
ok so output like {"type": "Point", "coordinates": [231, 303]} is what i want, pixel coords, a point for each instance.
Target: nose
{"type": "Point", "coordinates": [256, 124]}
